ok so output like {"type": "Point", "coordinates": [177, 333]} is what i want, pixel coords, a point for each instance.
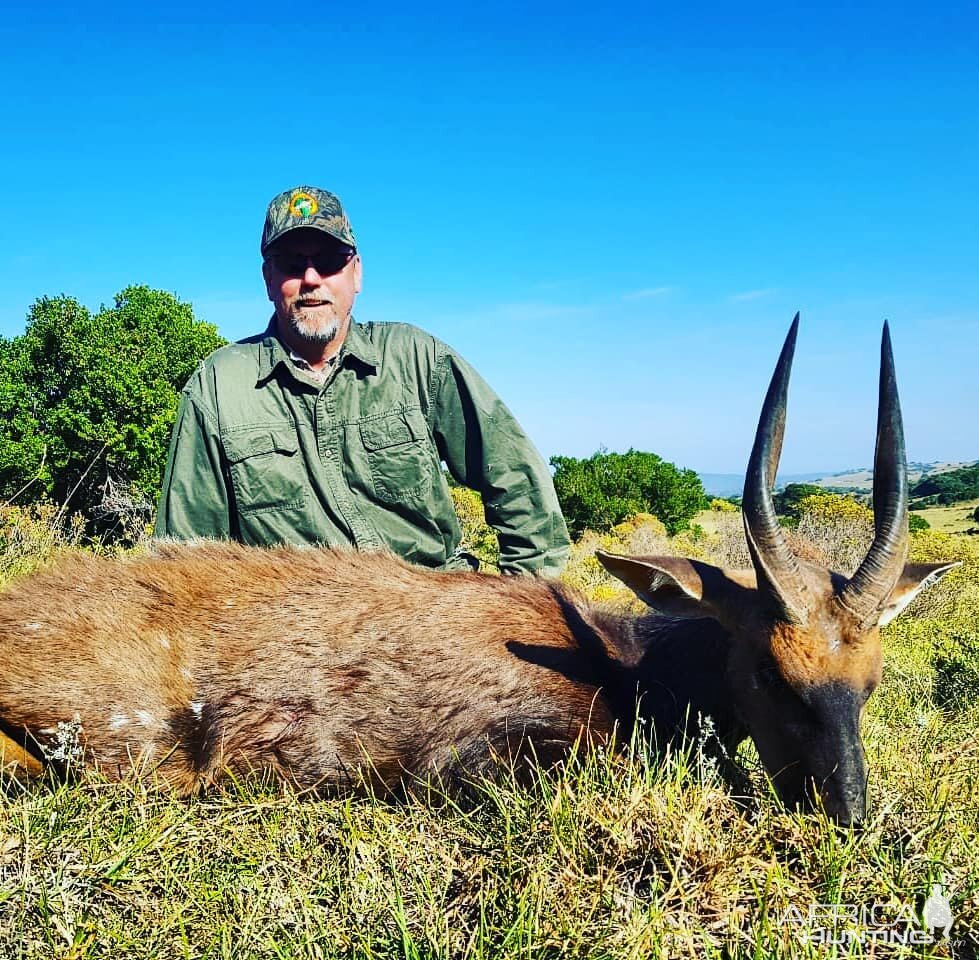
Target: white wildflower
{"type": "Point", "coordinates": [66, 744]}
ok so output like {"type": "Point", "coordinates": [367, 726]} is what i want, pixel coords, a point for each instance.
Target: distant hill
{"type": "Point", "coordinates": [732, 484]}
{"type": "Point", "coordinates": [948, 487]}
{"type": "Point", "coordinates": [862, 479]}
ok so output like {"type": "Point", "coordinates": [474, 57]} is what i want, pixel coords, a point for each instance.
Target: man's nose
{"type": "Point", "coordinates": [311, 276]}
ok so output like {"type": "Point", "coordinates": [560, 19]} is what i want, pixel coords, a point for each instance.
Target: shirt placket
{"type": "Point", "coordinates": [330, 447]}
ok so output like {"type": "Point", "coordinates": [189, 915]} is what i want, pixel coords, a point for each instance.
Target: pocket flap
{"type": "Point", "coordinates": [386, 432]}
{"type": "Point", "coordinates": [255, 444]}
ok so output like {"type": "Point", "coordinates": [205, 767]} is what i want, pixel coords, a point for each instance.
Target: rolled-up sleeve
{"type": "Point", "coordinates": [195, 501]}
{"type": "Point", "coordinates": [487, 450]}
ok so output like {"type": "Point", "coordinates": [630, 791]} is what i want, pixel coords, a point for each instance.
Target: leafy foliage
{"type": "Point", "coordinates": [604, 489]}
{"type": "Point", "coordinates": [916, 522]}
{"type": "Point", "coordinates": [839, 528]}
{"type": "Point", "coordinates": [829, 508]}
{"type": "Point", "coordinates": [951, 487]}
{"type": "Point", "coordinates": [87, 401]}
{"type": "Point", "coordinates": [478, 537]}
{"type": "Point", "coordinates": [787, 502]}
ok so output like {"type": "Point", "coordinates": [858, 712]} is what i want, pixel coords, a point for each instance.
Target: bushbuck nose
{"type": "Point", "coordinates": [844, 799]}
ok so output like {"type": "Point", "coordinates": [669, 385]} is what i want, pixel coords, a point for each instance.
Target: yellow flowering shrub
{"type": "Point", "coordinates": [32, 534]}
{"type": "Point", "coordinates": [478, 537]}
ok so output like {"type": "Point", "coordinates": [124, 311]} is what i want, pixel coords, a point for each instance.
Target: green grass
{"type": "Point", "coordinates": [615, 856]}
{"type": "Point", "coordinates": [954, 519]}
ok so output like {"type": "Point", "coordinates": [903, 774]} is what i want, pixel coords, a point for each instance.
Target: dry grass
{"type": "Point", "coordinates": [34, 535]}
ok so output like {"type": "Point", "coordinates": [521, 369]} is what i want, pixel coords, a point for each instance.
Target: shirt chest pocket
{"type": "Point", "coordinates": [267, 471]}
{"type": "Point", "coordinates": [400, 456]}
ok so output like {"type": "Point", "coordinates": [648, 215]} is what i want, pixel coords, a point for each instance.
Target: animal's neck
{"type": "Point", "coordinates": [683, 674]}
{"type": "Point", "coordinates": [677, 667]}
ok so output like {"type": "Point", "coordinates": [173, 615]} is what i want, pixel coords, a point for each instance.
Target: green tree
{"type": "Point", "coordinates": [601, 491]}
{"type": "Point", "coordinates": [87, 401]}
{"type": "Point", "coordinates": [787, 502]}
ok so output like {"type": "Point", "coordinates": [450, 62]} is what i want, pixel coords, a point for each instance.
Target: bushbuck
{"type": "Point", "coordinates": [335, 670]}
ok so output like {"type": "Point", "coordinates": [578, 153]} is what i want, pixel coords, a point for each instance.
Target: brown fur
{"type": "Point", "coordinates": [315, 664]}
{"type": "Point", "coordinates": [809, 658]}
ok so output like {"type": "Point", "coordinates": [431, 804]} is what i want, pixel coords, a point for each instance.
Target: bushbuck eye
{"type": "Point", "coordinates": [768, 673]}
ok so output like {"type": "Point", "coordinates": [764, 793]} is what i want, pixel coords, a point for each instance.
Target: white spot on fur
{"type": "Point", "coordinates": [117, 721]}
{"type": "Point", "coordinates": [229, 603]}
{"type": "Point", "coordinates": [197, 707]}
{"type": "Point", "coordinates": [33, 625]}
{"type": "Point", "coordinates": [186, 674]}
{"type": "Point", "coordinates": [146, 718]}
{"type": "Point", "coordinates": [164, 642]}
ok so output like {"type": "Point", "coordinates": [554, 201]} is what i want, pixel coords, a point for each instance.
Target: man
{"type": "Point", "coordinates": [323, 430]}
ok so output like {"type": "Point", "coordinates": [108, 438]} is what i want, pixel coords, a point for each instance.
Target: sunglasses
{"type": "Point", "coordinates": [324, 262]}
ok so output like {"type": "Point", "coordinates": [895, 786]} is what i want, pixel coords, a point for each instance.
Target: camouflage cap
{"type": "Point", "coordinates": [306, 207]}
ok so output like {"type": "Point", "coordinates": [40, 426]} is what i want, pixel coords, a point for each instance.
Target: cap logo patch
{"type": "Point", "coordinates": [303, 204]}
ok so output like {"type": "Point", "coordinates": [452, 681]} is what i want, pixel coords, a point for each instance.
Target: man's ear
{"type": "Point", "coordinates": [673, 585]}
{"type": "Point", "coordinates": [266, 274]}
{"type": "Point", "coordinates": [915, 578]}
{"type": "Point", "coordinates": [358, 273]}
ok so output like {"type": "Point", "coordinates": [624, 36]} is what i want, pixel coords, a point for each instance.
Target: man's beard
{"type": "Point", "coordinates": [318, 331]}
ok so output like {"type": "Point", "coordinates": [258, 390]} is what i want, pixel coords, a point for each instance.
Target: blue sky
{"type": "Point", "coordinates": [613, 213]}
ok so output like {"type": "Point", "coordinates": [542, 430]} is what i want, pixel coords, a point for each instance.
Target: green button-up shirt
{"type": "Point", "coordinates": [264, 453]}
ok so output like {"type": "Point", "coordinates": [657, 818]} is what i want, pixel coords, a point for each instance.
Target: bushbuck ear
{"type": "Point", "coordinates": [671, 585]}
{"type": "Point", "coordinates": [915, 578]}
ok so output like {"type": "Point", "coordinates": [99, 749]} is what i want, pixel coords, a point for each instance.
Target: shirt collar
{"type": "Point", "coordinates": [357, 347]}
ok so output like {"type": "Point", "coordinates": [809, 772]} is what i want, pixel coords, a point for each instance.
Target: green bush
{"type": "Point", "coordinates": [838, 527]}
{"type": "Point", "coordinates": [478, 537]}
{"type": "Point", "coordinates": [601, 491]}
{"type": "Point", "coordinates": [916, 522]}
{"type": "Point", "coordinates": [788, 501]}
{"type": "Point", "coordinates": [87, 402]}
